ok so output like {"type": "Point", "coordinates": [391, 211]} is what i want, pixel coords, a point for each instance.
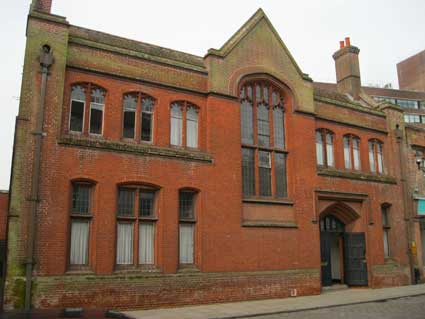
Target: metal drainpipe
{"type": "Point", "coordinates": [406, 199]}
{"type": "Point", "coordinates": [46, 60]}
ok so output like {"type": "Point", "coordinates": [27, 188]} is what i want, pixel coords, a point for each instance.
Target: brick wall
{"type": "Point", "coordinates": [4, 206]}
{"type": "Point", "coordinates": [154, 290]}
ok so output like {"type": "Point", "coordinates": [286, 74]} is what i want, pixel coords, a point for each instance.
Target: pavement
{"type": "Point", "coordinates": [258, 308]}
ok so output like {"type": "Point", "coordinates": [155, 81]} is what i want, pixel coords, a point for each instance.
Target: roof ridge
{"type": "Point", "coordinates": [194, 59]}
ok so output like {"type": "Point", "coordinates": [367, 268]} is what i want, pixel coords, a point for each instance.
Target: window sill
{"type": "Point", "coordinates": [79, 271]}
{"type": "Point", "coordinates": [270, 201]}
{"type": "Point", "coordinates": [138, 149]}
{"type": "Point", "coordinates": [131, 269]}
{"type": "Point", "coordinates": [187, 268]}
{"type": "Point", "coordinates": [367, 177]}
{"type": "Point", "coordinates": [269, 224]}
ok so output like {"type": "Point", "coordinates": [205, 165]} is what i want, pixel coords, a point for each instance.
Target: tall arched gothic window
{"type": "Point", "coordinates": [263, 140]}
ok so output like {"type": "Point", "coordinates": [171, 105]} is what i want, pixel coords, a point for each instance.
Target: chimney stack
{"type": "Point", "coordinates": [44, 6]}
{"type": "Point", "coordinates": [348, 69]}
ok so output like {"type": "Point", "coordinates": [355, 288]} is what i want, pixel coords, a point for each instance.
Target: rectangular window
{"type": "Point", "coordinates": [319, 148]}
{"type": "Point", "coordinates": [385, 229]}
{"type": "Point", "coordinates": [96, 118]}
{"type": "Point", "coordinates": [146, 127]}
{"type": "Point", "coordinates": [136, 226]}
{"type": "Point", "coordinates": [186, 230]}
{"type": "Point", "coordinates": [124, 243]}
{"type": "Point", "coordinates": [380, 159]}
{"type": "Point", "coordinates": [192, 127]}
{"type": "Point", "coordinates": [372, 157]}
{"type": "Point", "coordinates": [248, 172]}
{"type": "Point", "coordinates": [79, 242]}
{"type": "Point", "coordinates": [278, 126]}
{"type": "Point", "coordinates": [81, 199]}
{"type": "Point", "coordinates": [129, 124]}
{"type": "Point", "coordinates": [130, 106]}
{"type": "Point", "coordinates": [146, 243]}
{"type": "Point", "coordinates": [247, 130]}
{"type": "Point", "coordinates": [329, 149]}
{"type": "Point", "coordinates": [265, 173]}
{"type": "Point", "coordinates": [263, 124]}
{"type": "Point", "coordinates": [186, 234]}
{"type": "Point", "coordinates": [356, 153]}
{"type": "Point", "coordinates": [77, 116]}
{"type": "Point", "coordinates": [408, 104]}
{"type": "Point", "coordinates": [176, 125]}
{"type": "Point", "coordinates": [186, 205]}
{"type": "Point", "coordinates": [126, 202]}
{"type": "Point", "coordinates": [146, 203]}
{"type": "Point", "coordinates": [280, 171]}
{"type": "Point", "coordinates": [347, 153]}
{"type": "Point", "coordinates": [147, 119]}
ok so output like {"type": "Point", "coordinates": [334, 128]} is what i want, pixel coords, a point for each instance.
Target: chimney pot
{"type": "Point", "coordinates": [347, 41]}
{"type": "Point", "coordinates": [341, 44]}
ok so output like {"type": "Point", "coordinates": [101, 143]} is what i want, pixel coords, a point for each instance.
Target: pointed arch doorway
{"type": "Point", "coordinates": [343, 254]}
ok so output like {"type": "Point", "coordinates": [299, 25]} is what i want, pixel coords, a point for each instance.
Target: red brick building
{"type": "Point", "coordinates": [411, 73]}
{"type": "Point", "coordinates": [147, 177]}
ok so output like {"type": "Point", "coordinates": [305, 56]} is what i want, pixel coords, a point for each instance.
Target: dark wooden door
{"type": "Point", "coordinates": [325, 258]}
{"type": "Point", "coordinates": [355, 266]}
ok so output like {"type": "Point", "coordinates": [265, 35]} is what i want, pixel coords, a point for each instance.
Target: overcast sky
{"type": "Point", "coordinates": [386, 31]}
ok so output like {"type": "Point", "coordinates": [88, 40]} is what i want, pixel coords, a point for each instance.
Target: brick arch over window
{"type": "Point", "coordinates": [243, 74]}
{"type": "Point", "coordinates": [341, 210]}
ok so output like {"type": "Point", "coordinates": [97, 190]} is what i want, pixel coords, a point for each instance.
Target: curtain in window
{"type": "Point", "coordinates": [380, 159]}
{"type": "Point", "coordinates": [329, 149]}
{"type": "Point", "coordinates": [247, 123]}
{"type": "Point", "coordinates": [186, 243]}
{"type": "Point", "coordinates": [347, 153]}
{"type": "Point", "coordinates": [125, 243]}
{"type": "Point", "coordinates": [146, 243]}
{"type": "Point", "coordinates": [372, 157]}
{"type": "Point", "coordinates": [79, 242]}
{"type": "Point", "coordinates": [356, 153]}
{"type": "Point", "coordinates": [319, 148]}
{"type": "Point", "coordinates": [192, 127]}
{"type": "Point", "coordinates": [176, 125]}
{"type": "Point", "coordinates": [386, 244]}
{"type": "Point", "coordinates": [279, 131]}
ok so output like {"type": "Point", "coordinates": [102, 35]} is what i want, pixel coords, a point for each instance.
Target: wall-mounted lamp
{"type": "Point", "coordinates": [420, 161]}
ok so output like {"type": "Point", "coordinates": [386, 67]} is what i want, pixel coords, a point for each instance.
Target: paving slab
{"type": "Point", "coordinates": [273, 306]}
